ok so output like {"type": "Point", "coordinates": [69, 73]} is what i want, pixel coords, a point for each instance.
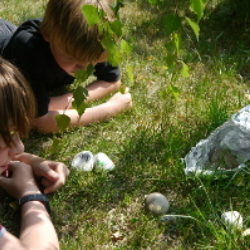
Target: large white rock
{"type": "Point", "coordinates": [83, 161]}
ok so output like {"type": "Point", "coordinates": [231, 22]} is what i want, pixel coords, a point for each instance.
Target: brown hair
{"type": "Point", "coordinates": [65, 26]}
{"type": "Point", "coordinates": [17, 105]}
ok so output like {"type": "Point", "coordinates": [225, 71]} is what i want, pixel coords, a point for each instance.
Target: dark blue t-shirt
{"type": "Point", "coordinates": [27, 49]}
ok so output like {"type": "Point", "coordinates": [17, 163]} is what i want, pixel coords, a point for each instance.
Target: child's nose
{"type": "Point", "coordinates": [17, 147]}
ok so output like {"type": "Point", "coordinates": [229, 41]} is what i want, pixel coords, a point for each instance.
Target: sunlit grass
{"type": "Point", "coordinates": [106, 210]}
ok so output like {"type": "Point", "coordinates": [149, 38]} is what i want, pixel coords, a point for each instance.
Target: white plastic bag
{"type": "Point", "coordinates": [225, 150]}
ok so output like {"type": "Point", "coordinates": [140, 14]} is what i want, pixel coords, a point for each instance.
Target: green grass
{"type": "Point", "coordinates": [106, 210]}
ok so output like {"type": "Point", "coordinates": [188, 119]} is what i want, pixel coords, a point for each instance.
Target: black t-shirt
{"type": "Point", "coordinates": [27, 49]}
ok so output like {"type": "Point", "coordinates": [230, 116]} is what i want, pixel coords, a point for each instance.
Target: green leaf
{"type": "Point", "coordinates": [116, 27]}
{"type": "Point", "coordinates": [172, 54]}
{"type": "Point", "coordinates": [125, 47]}
{"type": "Point", "coordinates": [171, 46]}
{"type": "Point", "coordinates": [171, 62]}
{"type": "Point", "coordinates": [55, 147]}
{"type": "Point", "coordinates": [198, 6]}
{"type": "Point", "coordinates": [114, 53]}
{"type": "Point", "coordinates": [153, 2]}
{"type": "Point", "coordinates": [81, 108]}
{"type": "Point", "coordinates": [80, 94]}
{"type": "Point", "coordinates": [91, 14]}
{"type": "Point", "coordinates": [62, 121]}
{"type": "Point", "coordinates": [171, 23]}
{"type": "Point", "coordinates": [177, 41]}
{"type": "Point", "coordinates": [184, 69]}
{"type": "Point", "coordinates": [83, 75]}
{"type": "Point", "coordinates": [108, 43]}
{"type": "Point", "coordinates": [174, 91]}
{"type": "Point", "coordinates": [195, 27]}
{"type": "Point", "coordinates": [130, 73]}
{"type": "Point", "coordinates": [115, 57]}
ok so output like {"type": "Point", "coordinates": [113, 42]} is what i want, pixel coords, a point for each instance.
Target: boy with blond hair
{"type": "Point", "coordinates": [50, 51]}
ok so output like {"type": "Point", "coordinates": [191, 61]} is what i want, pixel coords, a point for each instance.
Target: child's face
{"type": "Point", "coordinates": [69, 64]}
{"type": "Point", "coordinates": [8, 152]}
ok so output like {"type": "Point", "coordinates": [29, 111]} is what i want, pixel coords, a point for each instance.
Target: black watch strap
{"type": "Point", "coordinates": [35, 197]}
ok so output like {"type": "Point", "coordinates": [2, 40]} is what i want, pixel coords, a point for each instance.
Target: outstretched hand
{"type": "Point", "coordinates": [21, 182]}
{"type": "Point", "coordinates": [53, 174]}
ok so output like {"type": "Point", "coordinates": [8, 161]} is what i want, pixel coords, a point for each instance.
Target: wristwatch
{"type": "Point", "coordinates": [35, 197]}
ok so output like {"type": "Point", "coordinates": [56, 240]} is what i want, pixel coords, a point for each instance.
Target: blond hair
{"type": "Point", "coordinates": [65, 27]}
{"type": "Point", "coordinates": [17, 105]}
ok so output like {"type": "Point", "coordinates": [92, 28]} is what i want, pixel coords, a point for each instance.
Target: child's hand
{"type": "Point", "coordinates": [53, 174]}
{"type": "Point", "coordinates": [21, 182]}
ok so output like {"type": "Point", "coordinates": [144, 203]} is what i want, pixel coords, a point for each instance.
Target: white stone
{"type": "Point", "coordinates": [157, 203]}
{"type": "Point", "coordinates": [83, 161]}
{"type": "Point", "coordinates": [246, 232]}
{"type": "Point", "coordinates": [102, 161]}
{"type": "Point", "coordinates": [232, 218]}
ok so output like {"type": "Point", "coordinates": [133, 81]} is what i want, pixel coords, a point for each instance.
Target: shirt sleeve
{"type": "Point", "coordinates": [25, 58]}
{"type": "Point", "coordinates": [31, 54]}
{"type": "Point", "coordinates": [106, 72]}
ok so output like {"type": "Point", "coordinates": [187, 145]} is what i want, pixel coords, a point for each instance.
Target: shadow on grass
{"type": "Point", "coordinates": [149, 161]}
{"type": "Point", "coordinates": [225, 33]}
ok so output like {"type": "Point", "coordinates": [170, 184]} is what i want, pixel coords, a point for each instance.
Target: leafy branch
{"type": "Point", "coordinates": [111, 40]}
{"type": "Point", "coordinates": [173, 28]}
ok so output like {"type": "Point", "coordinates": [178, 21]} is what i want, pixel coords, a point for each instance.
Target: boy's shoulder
{"type": "Point", "coordinates": [29, 29]}
{"type": "Point", "coordinates": [26, 40]}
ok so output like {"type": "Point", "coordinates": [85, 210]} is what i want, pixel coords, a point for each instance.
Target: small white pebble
{"type": "Point", "coordinates": [246, 232]}
{"type": "Point", "coordinates": [232, 218]}
{"type": "Point", "coordinates": [102, 161]}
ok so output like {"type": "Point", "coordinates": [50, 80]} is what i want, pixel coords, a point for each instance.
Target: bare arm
{"type": "Point", "coordinates": [96, 90]}
{"type": "Point", "coordinates": [102, 112]}
{"type": "Point", "coordinates": [47, 123]}
{"type": "Point", "coordinates": [100, 89]}
{"type": "Point", "coordinates": [53, 173]}
{"type": "Point", "coordinates": [37, 231]}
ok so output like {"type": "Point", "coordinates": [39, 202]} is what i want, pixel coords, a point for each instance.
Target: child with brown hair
{"type": "Point", "coordinates": [18, 170]}
{"type": "Point", "coordinates": [50, 51]}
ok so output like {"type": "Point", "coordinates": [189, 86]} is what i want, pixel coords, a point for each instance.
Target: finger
{"type": "Point", "coordinates": [17, 166]}
{"type": "Point", "coordinates": [66, 171]}
{"type": "Point", "coordinates": [63, 169]}
{"type": "Point", "coordinates": [53, 187]}
{"type": "Point", "coordinates": [46, 182]}
{"type": "Point", "coordinates": [4, 181]}
{"type": "Point", "coordinates": [16, 163]}
{"type": "Point", "coordinates": [13, 165]}
{"type": "Point", "coordinates": [50, 174]}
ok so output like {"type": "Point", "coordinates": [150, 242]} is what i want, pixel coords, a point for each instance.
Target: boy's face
{"type": "Point", "coordinates": [66, 62]}
{"type": "Point", "coordinates": [8, 152]}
